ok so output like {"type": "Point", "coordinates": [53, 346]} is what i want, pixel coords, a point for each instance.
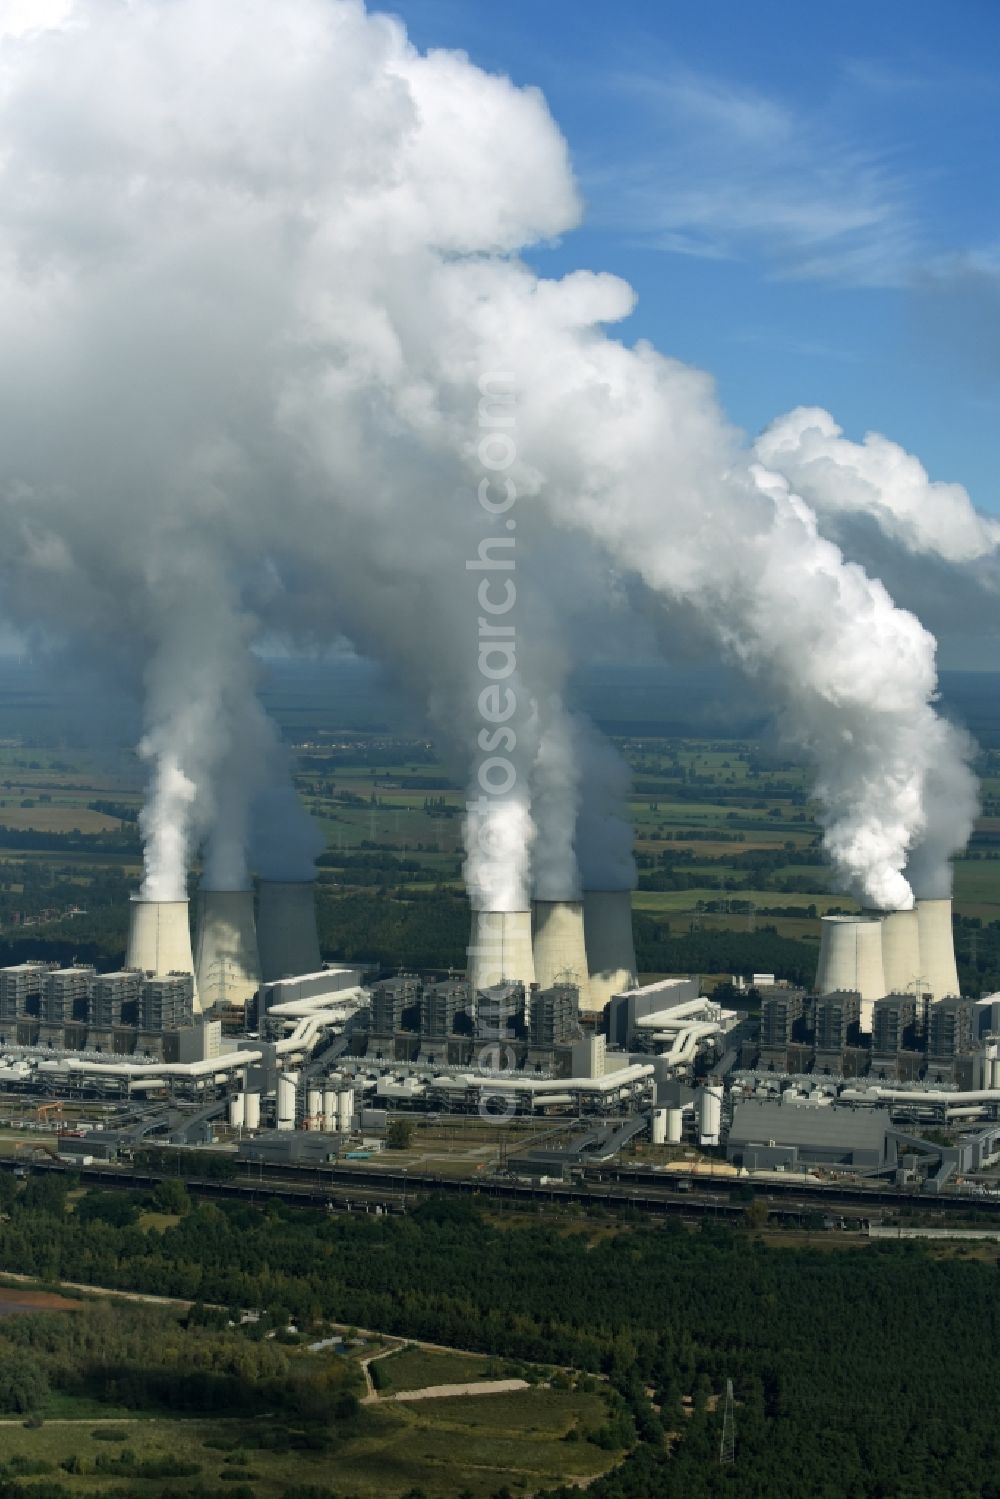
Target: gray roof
{"type": "Point", "coordinates": [805, 1124]}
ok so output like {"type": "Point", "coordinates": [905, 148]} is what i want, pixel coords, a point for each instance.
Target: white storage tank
{"type": "Point", "coordinates": [345, 1110]}
{"type": "Point", "coordinates": [675, 1126]}
{"type": "Point", "coordinates": [710, 1115]}
{"type": "Point", "coordinates": [286, 1100]}
{"type": "Point", "coordinates": [314, 1108]}
{"type": "Point", "coordinates": [329, 1110]}
{"type": "Point", "coordinates": [238, 1110]}
{"type": "Point", "coordinates": [659, 1127]}
{"type": "Point", "coordinates": [253, 1111]}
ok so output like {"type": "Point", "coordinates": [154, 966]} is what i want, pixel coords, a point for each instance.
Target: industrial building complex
{"type": "Point", "coordinates": [244, 1036]}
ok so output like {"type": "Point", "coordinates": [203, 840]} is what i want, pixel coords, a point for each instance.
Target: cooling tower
{"type": "Point", "coordinates": [558, 946]}
{"type": "Point", "coordinates": [286, 929]}
{"type": "Point", "coordinates": [226, 961]}
{"type": "Point", "coordinates": [607, 925]}
{"type": "Point", "coordinates": [937, 949]}
{"type": "Point", "coordinates": [159, 938]}
{"type": "Point", "coordinates": [500, 948]}
{"type": "Point", "coordinates": [901, 951]}
{"type": "Point", "coordinates": [850, 958]}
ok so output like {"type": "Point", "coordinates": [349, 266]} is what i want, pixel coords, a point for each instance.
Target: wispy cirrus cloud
{"type": "Point", "coordinates": [729, 173]}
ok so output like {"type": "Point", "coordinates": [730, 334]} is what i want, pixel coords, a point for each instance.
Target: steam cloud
{"type": "Point", "coordinates": [254, 262]}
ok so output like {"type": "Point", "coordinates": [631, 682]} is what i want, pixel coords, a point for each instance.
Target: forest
{"type": "Point", "coordinates": [868, 1372]}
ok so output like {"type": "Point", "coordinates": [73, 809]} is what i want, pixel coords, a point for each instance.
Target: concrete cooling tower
{"type": "Point", "coordinates": [226, 962]}
{"type": "Point", "coordinates": [286, 929]}
{"type": "Point", "coordinates": [937, 949]}
{"type": "Point", "coordinates": [500, 948]}
{"type": "Point", "coordinates": [558, 946]}
{"type": "Point", "coordinates": [607, 925]}
{"type": "Point", "coordinates": [901, 952]}
{"type": "Point", "coordinates": [159, 938]}
{"type": "Point", "coordinates": [850, 958]}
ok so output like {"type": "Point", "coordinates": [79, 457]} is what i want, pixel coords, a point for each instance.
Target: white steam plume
{"type": "Point", "coordinates": [877, 479]}
{"type": "Point", "coordinates": [604, 833]}
{"type": "Point", "coordinates": [255, 261]}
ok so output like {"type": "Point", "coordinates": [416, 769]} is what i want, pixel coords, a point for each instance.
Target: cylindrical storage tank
{"type": "Point", "coordinates": [159, 938]}
{"type": "Point", "coordinates": [710, 1115]}
{"type": "Point", "coordinates": [345, 1111]}
{"type": "Point", "coordinates": [850, 957]}
{"type": "Point", "coordinates": [607, 930]}
{"type": "Point", "coordinates": [500, 948]}
{"type": "Point", "coordinates": [659, 1127]}
{"type": "Point", "coordinates": [675, 1126]}
{"type": "Point", "coordinates": [286, 1100]}
{"type": "Point", "coordinates": [330, 1110]}
{"type": "Point", "coordinates": [226, 961]}
{"type": "Point", "coordinates": [900, 951]}
{"type": "Point", "coordinates": [286, 929]}
{"type": "Point", "coordinates": [314, 1108]}
{"type": "Point", "coordinates": [937, 949]}
{"type": "Point", "coordinates": [253, 1111]}
{"type": "Point", "coordinates": [238, 1110]}
{"type": "Point", "coordinates": [558, 948]}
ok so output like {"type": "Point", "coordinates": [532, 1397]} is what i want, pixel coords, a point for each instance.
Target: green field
{"type": "Point", "coordinates": [440, 1446]}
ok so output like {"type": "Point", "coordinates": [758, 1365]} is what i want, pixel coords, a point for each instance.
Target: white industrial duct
{"type": "Point", "coordinates": [937, 949]}
{"type": "Point", "coordinates": [607, 926]}
{"type": "Point", "coordinates": [286, 928]}
{"type": "Point", "coordinates": [226, 960]}
{"type": "Point", "coordinates": [159, 938]}
{"type": "Point", "coordinates": [558, 946]}
{"type": "Point", "coordinates": [501, 949]}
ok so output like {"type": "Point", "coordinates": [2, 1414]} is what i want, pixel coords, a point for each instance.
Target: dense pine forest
{"type": "Point", "coordinates": [867, 1372]}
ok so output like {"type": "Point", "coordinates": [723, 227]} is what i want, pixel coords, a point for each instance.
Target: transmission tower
{"type": "Point", "coordinates": [727, 1446]}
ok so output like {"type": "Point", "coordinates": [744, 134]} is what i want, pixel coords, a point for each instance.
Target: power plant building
{"type": "Point", "coordinates": [553, 1016]}
{"type": "Point", "coordinates": [66, 993]}
{"type": "Point", "coordinates": [391, 1000]}
{"type": "Point", "coordinates": [167, 1002]}
{"type": "Point", "coordinates": [114, 999]}
{"type": "Point", "coordinates": [440, 1006]}
{"type": "Point", "coordinates": [20, 984]}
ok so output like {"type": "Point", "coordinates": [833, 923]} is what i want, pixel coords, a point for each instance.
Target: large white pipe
{"type": "Point", "coordinates": [558, 947]}
{"type": "Point", "coordinates": [159, 938]}
{"type": "Point", "coordinates": [673, 1019]}
{"type": "Point", "coordinates": [226, 959]}
{"type": "Point", "coordinates": [286, 929]}
{"type": "Point", "coordinates": [501, 948]}
{"type": "Point", "coordinates": [937, 949]}
{"type": "Point", "coordinates": [607, 927]}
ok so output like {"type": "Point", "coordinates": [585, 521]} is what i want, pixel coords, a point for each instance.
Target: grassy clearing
{"type": "Point", "coordinates": [417, 1368]}
{"type": "Point", "coordinates": [440, 1446]}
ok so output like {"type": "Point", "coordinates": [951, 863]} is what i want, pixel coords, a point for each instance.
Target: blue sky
{"type": "Point", "coordinates": [805, 197]}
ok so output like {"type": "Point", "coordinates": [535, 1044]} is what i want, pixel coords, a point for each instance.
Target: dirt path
{"type": "Point", "coordinates": [371, 1397]}
{"type": "Point", "coordinates": [446, 1391]}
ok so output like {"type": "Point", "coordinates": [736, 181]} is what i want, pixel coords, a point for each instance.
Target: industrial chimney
{"type": "Point", "coordinates": [500, 948]}
{"type": "Point", "coordinates": [901, 952]}
{"type": "Point", "coordinates": [227, 965]}
{"type": "Point", "coordinates": [937, 949]}
{"type": "Point", "coordinates": [850, 959]}
{"type": "Point", "coordinates": [286, 929]}
{"type": "Point", "coordinates": [159, 938]}
{"type": "Point", "coordinates": [558, 946]}
{"type": "Point", "coordinates": [607, 925]}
